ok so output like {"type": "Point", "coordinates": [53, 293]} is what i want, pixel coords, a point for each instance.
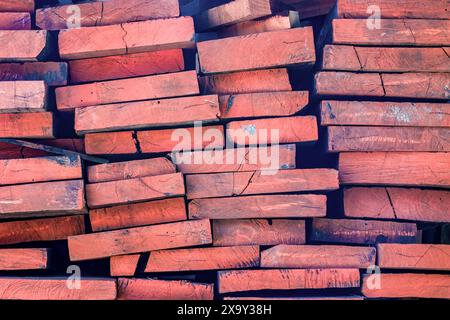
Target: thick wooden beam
{"type": "Point", "coordinates": [23, 259]}
{"type": "Point", "coordinates": [15, 21]}
{"type": "Point", "coordinates": [124, 266]}
{"type": "Point", "coordinates": [23, 96]}
{"type": "Point", "coordinates": [52, 73]}
{"type": "Point", "coordinates": [16, 6]}
{"type": "Point", "coordinates": [142, 239]}
{"type": "Point", "coordinates": [13, 151]}
{"type": "Point", "coordinates": [38, 125]}
{"type": "Point", "coordinates": [22, 45]}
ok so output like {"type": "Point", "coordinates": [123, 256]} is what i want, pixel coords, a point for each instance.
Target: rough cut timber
{"type": "Point", "coordinates": [376, 113]}
{"type": "Point", "coordinates": [287, 279]}
{"type": "Point", "coordinates": [52, 73]}
{"type": "Point", "coordinates": [123, 266]}
{"type": "Point", "coordinates": [362, 231]}
{"type": "Point", "coordinates": [134, 190]}
{"type": "Point", "coordinates": [125, 66]}
{"type": "Point", "coordinates": [395, 169]}
{"type": "Point", "coordinates": [152, 289]}
{"type": "Point", "coordinates": [414, 256]}
{"type": "Point", "coordinates": [392, 32]}
{"type": "Point", "coordinates": [101, 13]}
{"type": "Point", "coordinates": [22, 96]}
{"type": "Point", "coordinates": [134, 89]}
{"type": "Point", "coordinates": [23, 259]}
{"type": "Point", "coordinates": [273, 131]}
{"type": "Point", "coordinates": [348, 84]}
{"type": "Point", "coordinates": [22, 45]}
{"type": "Point", "coordinates": [42, 199]}
{"type": "Point", "coordinates": [142, 239]}
{"type": "Point", "coordinates": [15, 21]}
{"type": "Point", "coordinates": [264, 104]}
{"type": "Point", "coordinates": [397, 203]}
{"type": "Point", "coordinates": [147, 114]}
{"type": "Point", "coordinates": [56, 289]}
{"type": "Point", "coordinates": [17, 171]}
{"type": "Point", "coordinates": [92, 42]}
{"type": "Point", "coordinates": [138, 214]}
{"type": "Point", "coordinates": [346, 139]}
{"type": "Point", "coordinates": [236, 160]}
{"type": "Point", "coordinates": [50, 229]}
{"type": "Point", "coordinates": [384, 59]}
{"type": "Point", "coordinates": [273, 206]}
{"type": "Point", "coordinates": [270, 80]}
{"type": "Point", "coordinates": [406, 285]}
{"type": "Point", "coordinates": [431, 9]}
{"type": "Point", "coordinates": [130, 170]}
{"type": "Point", "coordinates": [313, 256]}
{"type": "Point", "coordinates": [11, 151]}
{"type": "Point", "coordinates": [16, 6]}
{"type": "Point", "coordinates": [293, 47]}
{"type": "Point", "coordinates": [219, 258]}
{"type": "Point", "coordinates": [259, 182]}
{"type": "Point", "coordinates": [38, 125]}
{"type": "Point", "coordinates": [231, 13]}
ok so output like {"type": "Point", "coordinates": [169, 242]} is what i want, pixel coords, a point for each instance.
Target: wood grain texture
{"type": "Point", "coordinates": [274, 206]}
{"type": "Point", "coordinates": [286, 279]}
{"type": "Point", "coordinates": [362, 231]}
{"type": "Point", "coordinates": [37, 125]}
{"type": "Point", "coordinates": [52, 73]}
{"type": "Point", "coordinates": [395, 169]}
{"type": "Point", "coordinates": [142, 239]}
{"type": "Point", "coordinates": [23, 96]}
{"type": "Point", "coordinates": [15, 21]}
{"type": "Point", "coordinates": [258, 232]}
{"type": "Point", "coordinates": [123, 266]}
{"type": "Point", "coordinates": [10, 151]}
{"type": "Point", "coordinates": [16, 6]}
{"type": "Point", "coordinates": [22, 45]}
{"type": "Point", "coordinates": [23, 259]}
{"type": "Point", "coordinates": [329, 83]}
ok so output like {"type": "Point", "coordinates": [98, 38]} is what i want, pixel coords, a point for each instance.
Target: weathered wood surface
{"type": "Point", "coordinates": [23, 96]}
{"type": "Point", "coordinates": [23, 259]}
{"type": "Point", "coordinates": [52, 73]}
{"type": "Point", "coordinates": [123, 266]}
{"type": "Point", "coordinates": [16, 6]}
{"type": "Point", "coordinates": [37, 125]}
{"type": "Point", "coordinates": [22, 45]}
{"type": "Point", "coordinates": [15, 21]}
{"type": "Point", "coordinates": [12, 151]}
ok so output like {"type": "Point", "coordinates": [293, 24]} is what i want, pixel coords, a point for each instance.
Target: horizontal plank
{"type": "Point", "coordinates": [309, 256]}
{"type": "Point", "coordinates": [15, 21]}
{"type": "Point", "coordinates": [286, 279]}
{"type": "Point", "coordinates": [388, 168]}
{"type": "Point", "coordinates": [56, 289]}
{"type": "Point", "coordinates": [377, 113]}
{"type": "Point", "coordinates": [42, 199]}
{"type": "Point", "coordinates": [197, 259]}
{"type": "Point", "coordinates": [362, 231]}
{"type": "Point", "coordinates": [127, 90]}
{"type": "Point", "coordinates": [125, 38]}
{"type": "Point", "coordinates": [152, 289]}
{"type": "Point", "coordinates": [123, 266]}
{"type": "Point", "coordinates": [260, 182]}
{"type": "Point", "coordinates": [138, 214]}
{"type": "Point", "coordinates": [23, 259]}
{"type": "Point", "coordinates": [49, 229]}
{"type": "Point", "coordinates": [22, 45]}
{"type": "Point", "coordinates": [397, 203]}
{"type": "Point", "coordinates": [274, 206]}
{"type": "Point", "coordinates": [258, 232]}
{"type": "Point", "coordinates": [52, 73]}
{"type": "Point", "coordinates": [23, 96]}
{"type": "Point", "coordinates": [142, 239]}
{"type": "Point", "coordinates": [417, 85]}
{"type": "Point", "coordinates": [11, 151]}
{"type": "Point", "coordinates": [16, 6]}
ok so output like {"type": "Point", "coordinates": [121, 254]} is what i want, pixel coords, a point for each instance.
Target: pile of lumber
{"type": "Point", "coordinates": [161, 150]}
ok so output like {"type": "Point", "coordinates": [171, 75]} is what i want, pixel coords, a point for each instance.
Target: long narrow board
{"type": "Point", "coordinates": [52, 73]}
{"type": "Point", "coordinates": [36, 125]}
{"type": "Point", "coordinates": [15, 21]}
{"type": "Point", "coordinates": [16, 6]}
{"type": "Point", "coordinates": [23, 259]}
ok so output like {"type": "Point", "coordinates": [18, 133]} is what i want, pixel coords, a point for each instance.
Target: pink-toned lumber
{"type": "Point", "coordinates": [273, 206]}
{"type": "Point", "coordinates": [92, 42]}
{"type": "Point", "coordinates": [134, 89]}
{"type": "Point", "coordinates": [50, 229]}
{"type": "Point", "coordinates": [123, 142]}
{"type": "Point", "coordinates": [23, 259]}
{"type": "Point", "coordinates": [52, 73]}
{"type": "Point", "coordinates": [17, 171]}
{"type": "Point", "coordinates": [42, 199]}
{"type": "Point", "coordinates": [23, 96]}
{"type": "Point", "coordinates": [270, 80]}
{"type": "Point", "coordinates": [414, 256]}
{"type": "Point", "coordinates": [395, 168]}
{"type": "Point", "coordinates": [264, 104]}
{"type": "Point", "coordinates": [397, 203]}
{"type": "Point", "coordinates": [260, 182]}
{"type": "Point", "coordinates": [362, 231]}
{"type": "Point", "coordinates": [218, 258]}
{"type": "Point", "coordinates": [348, 83]}
{"type": "Point", "coordinates": [134, 190]}
{"type": "Point", "coordinates": [38, 125]}
{"type": "Point", "coordinates": [273, 130]}
{"type": "Point", "coordinates": [258, 232]}
{"type": "Point", "coordinates": [125, 66]}
{"type": "Point", "coordinates": [406, 285]}
{"type": "Point", "coordinates": [318, 256]}
{"type": "Point", "coordinates": [236, 160]}
{"type": "Point", "coordinates": [142, 239]}
{"type": "Point", "coordinates": [130, 169]}
{"type": "Point", "coordinates": [138, 214]}
{"type": "Point", "coordinates": [101, 13]}
{"type": "Point", "coordinates": [22, 45]}
{"type": "Point", "coordinates": [16, 5]}
{"type": "Point", "coordinates": [292, 47]}
{"type": "Point", "coordinates": [287, 279]}
{"type": "Point", "coordinates": [152, 289]}
{"type": "Point", "coordinates": [123, 266]}
{"type": "Point", "coordinates": [377, 113]}
{"type": "Point", "coordinates": [15, 21]}
{"type": "Point", "coordinates": [56, 289]}
{"type": "Point", "coordinates": [10, 151]}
